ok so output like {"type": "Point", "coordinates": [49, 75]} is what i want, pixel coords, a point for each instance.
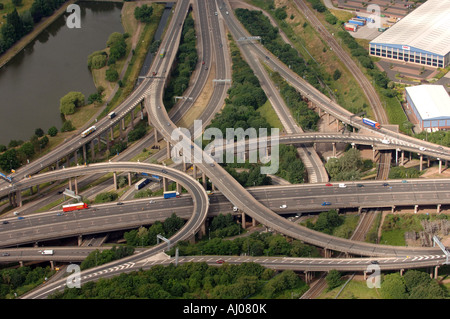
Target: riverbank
{"type": "Point", "coordinates": [38, 28]}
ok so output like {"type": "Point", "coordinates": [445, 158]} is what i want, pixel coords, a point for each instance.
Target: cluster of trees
{"type": "Point", "coordinates": [186, 61]}
{"type": "Point", "coordinates": [143, 13]}
{"type": "Point", "coordinates": [137, 132]}
{"type": "Point", "coordinates": [147, 236]}
{"type": "Point", "coordinates": [12, 279]}
{"type": "Point", "coordinates": [256, 244]}
{"type": "Point", "coordinates": [17, 26]}
{"type": "Point", "coordinates": [106, 197]}
{"type": "Point", "coordinates": [291, 167]}
{"type": "Point", "coordinates": [259, 25]}
{"type": "Point", "coordinates": [250, 177]}
{"type": "Point", "coordinates": [413, 284]}
{"type": "Point", "coordinates": [97, 258]}
{"type": "Point", "coordinates": [69, 102]}
{"type": "Point", "coordinates": [438, 137]}
{"type": "Point", "coordinates": [327, 222]}
{"type": "Point", "coordinates": [350, 166]}
{"type": "Point", "coordinates": [19, 152]}
{"type": "Point", "coordinates": [191, 281]}
{"type": "Point", "coordinates": [306, 118]}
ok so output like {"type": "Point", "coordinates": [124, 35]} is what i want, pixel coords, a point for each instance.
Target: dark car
{"type": "Point", "coordinates": [385, 184]}
{"type": "Point", "coordinates": [5, 222]}
{"type": "Point", "coordinates": [119, 203]}
{"type": "Point", "coordinates": [164, 171]}
{"type": "Point", "coordinates": [360, 185]}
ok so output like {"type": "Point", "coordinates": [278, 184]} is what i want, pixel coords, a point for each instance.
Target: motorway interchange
{"type": "Point", "coordinates": [265, 205]}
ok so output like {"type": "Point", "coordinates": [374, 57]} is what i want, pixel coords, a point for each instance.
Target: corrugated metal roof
{"type": "Point", "coordinates": [431, 101]}
{"type": "Point", "coordinates": [426, 28]}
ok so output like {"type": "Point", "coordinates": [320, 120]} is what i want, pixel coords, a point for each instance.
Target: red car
{"type": "Point", "coordinates": [328, 184]}
{"type": "Point", "coordinates": [220, 261]}
{"type": "Point", "coordinates": [203, 62]}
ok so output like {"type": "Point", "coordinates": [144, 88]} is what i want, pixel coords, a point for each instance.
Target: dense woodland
{"type": "Point", "coordinates": [17, 26]}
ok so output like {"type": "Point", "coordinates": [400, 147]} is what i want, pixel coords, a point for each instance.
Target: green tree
{"type": "Point", "coordinates": [112, 75]}
{"type": "Point", "coordinates": [70, 102]}
{"type": "Point", "coordinates": [39, 132]}
{"type": "Point", "coordinates": [333, 279]}
{"type": "Point", "coordinates": [143, 13]}
{"type": "Point", "coordinates": [393, 287]}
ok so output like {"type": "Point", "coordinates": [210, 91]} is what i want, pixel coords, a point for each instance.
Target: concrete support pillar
{"type": "Point", "coordinates": [440, 167]}
{"type": "Point", "coordinates": [92, 150]}
{"type": "Point", "coordinates": [253, 222]}
{"type": "Point", "coordinates": [421, 162]}
{"type": "Point", "coordinates": [184, 166]}
{"type": "Point", "coordinates": [243, 220]}
{"type": "Point", "coordinates": [359, 210]}
{"type": "Point", "coordinates": [80, 240]}
{"type": "Point", "coordinates": [438, 208]}
{"type": "Point", "coordinates": [129, 179]}
{"type": "Point", "coordinates": [168, 149]}
{"type": "Point", "coordinates": [205, 185]}
{"type": "Point", "coordinates": [115, 180]}
{"type": "Point", "coordinates": [334, 149]}
{"type": "Point", "coordinates": [194, 171]}
{"type": "Point", "coordinates": [52, 265]}
{"type": "Point", "coordinates": [393, 210]}
{"type": "Point", "coordinates": [416, 208]}
{"type": "Point", "coordinates": [132, 118]}
{"type": "Point", "coordinates": [178, 188]}
{"type": "Point", "coordinates": [401, 272]}
{"type": "Point", "coordinates": [428, 161]}
{"type": "Point", "coordinates": [123, 124]}
{"type": "Point", "coordinates": [373, 153]}
{"type": "Point", "coordinates": [436, 272]}
{"type": "Point", "coordinates": [76, 186]}
{"type": "Point", "coordinates": [446, 164]}
{"type": "Point", "coordinates": [164, 184]}
{"type": "Point", "coordinates": [402, 161]}
{"type": "Point", "coordinates": [19, 197]}
{"type": "Point", "coordinates": [328, 118]}
{"type": "Point", "coordinates": [70, 183]}
{"type": "Point", "coordinates": [202, 231]}
{"type": "Point", "coordinates": [21, 263]}
{"type": "Point", "coordinates": [337, 125]}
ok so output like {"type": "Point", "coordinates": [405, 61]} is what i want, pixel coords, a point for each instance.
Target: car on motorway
{"type": "Point", "coordinates": [212, 165]}
{"type": "Point", "coordinates": [5, 222]}
{"type": "Point", "coordinates": [206, 68]}
{"type": "Point", "coordinates": [326, 204]}
{"type": "Point", "coordinates": [215, 13]}
{"type": "Point", "coordinates": [422, 148]}
{"type": "Point", "coordinates": [220, 261]}
{"type": "Point", "coordinates": [152, 201]}
{"type": "Point", "coordinates": [203, 63]}
{"type": "Point", "coordinates": [360, 185]}
{"type": "Point", "coordinates": [59, 214]}
{"type": "Point", "coordinates": [283, 206]}
{"type": "Point", "coordinates": [328, 184]}
{"type": "Point", "coordinates": [374, 262]}
{"type": "Point", "coordinates": [235, 209]}
{"type": "Point", "coordinates": [164, 171]}
{"type": "Point", "coordinates": [342, 185]}
{"type": "Point", "coordinates": [404, 181]}
{"type": "Point", "coordinates": [119, 203]}
{"type": "Point", "coordinates": [385, 184]}
{"type": "Point", "coordinates": [5, 254]}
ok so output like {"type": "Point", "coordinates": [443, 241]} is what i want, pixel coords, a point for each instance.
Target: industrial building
{"type": "Point", "coordinates": [431, 106]}
{"type": "Point", "coordinates": [422, 37]}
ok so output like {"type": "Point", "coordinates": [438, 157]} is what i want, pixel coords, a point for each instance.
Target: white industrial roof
{"type": "Point", "coordinates": [431, 101]}
{"type": "Point", "coordinates": [426, 28]}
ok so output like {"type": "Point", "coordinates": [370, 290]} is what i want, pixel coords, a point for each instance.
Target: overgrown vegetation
{"type": "Point", "coordinates": [20, 280]}
{"type": "Point", "coordinates": [192, 281]}
{"type": "Point", "coordinates": [350, 166]}
{"type": "Point", "coordinates": [147, 236]}
{"type": "Point", "coordinates": [186, 61]}
{"type": "Point", "coordinates": [97, 258]}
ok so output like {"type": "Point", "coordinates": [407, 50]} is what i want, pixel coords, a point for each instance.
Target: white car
{"type": "Point", "coordinates": [235, 209]}
{"type": "Point", "coordinates": [152, 202]}
{"type": "Point", "coordinates": [422, 148]}
{"type": "Point", "coordinates": [385, 142]}
{"type": "Point", "coordinates": [342, 185]}
{"type": "Point", "coordinates": [283, 206]}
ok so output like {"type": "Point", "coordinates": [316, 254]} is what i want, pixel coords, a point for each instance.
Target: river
{"type": "Point", "coordinates": [55, 63]}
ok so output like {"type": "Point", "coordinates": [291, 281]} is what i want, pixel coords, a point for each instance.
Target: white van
{"type": "Point", "coordinates": [342, 185]}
